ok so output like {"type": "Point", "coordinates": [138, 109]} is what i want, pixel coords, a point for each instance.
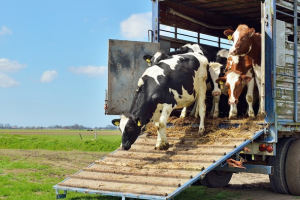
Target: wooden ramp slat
{"type": "Point", "coordinates": [142, 172]}
{"type": "Point", "coordinates": [154, 164]}
{"type": "Point", "coordinates": [189, 141]}
{"type": "Point", "coordinates": [132, 179]}
{"type": "Point", "coordinates": [166, 158]}
{"type": "Point", "coordinates": [118, 187]}
{"type": "Point", "coordinates": [182, 153]}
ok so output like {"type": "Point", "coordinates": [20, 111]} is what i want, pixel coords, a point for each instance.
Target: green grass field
{"type": "Point", "coordinates": [32, 163]}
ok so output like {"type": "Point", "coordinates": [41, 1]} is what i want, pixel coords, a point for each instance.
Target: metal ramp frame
{"type": "Point", "coordinates": [67, 184]}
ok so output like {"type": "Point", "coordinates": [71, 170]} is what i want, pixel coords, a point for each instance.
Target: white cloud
{"type": "Point", "coordinates": [7, 65]}
{"type": "Point", "coordinates": [6, 81]}
{"type": "Point", "coordinates": [90, 70]}
{"type": "Point", "coordinates": [5, 31]}
{"type": "Point", "coordinates": [136, 26]}
{"type": "Point", "coordinates": [48, 76]}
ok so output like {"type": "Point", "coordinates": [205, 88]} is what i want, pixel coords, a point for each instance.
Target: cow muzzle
{"type": "Point", "coordinates": [232, 102]}
{"type": "Point", "coordinates": [126, 146]}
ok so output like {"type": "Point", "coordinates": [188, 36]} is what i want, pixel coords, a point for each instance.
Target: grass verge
{"type": "Point", "coordinates": [60, 142]}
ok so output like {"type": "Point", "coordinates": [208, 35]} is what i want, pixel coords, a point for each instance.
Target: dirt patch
{"type": "Point", "coordinates": [250, 186]}
{"type": "Point", "coordinates": [70, 161]}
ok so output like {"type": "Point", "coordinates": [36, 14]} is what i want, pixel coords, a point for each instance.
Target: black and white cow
{"type": "Point", "coordinates": [217, 70]}
{"type": "Point", "coordinates": [174, 82]}
{"type": "Point", "coordinates": [160, 55]}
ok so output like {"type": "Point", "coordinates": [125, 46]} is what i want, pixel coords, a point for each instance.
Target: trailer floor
{"type": "Point", "coordinates": [145, 173]}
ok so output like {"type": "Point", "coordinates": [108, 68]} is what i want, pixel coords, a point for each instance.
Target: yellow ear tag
{"type": "Point", "coordinates": [221, 84]}
{"type": "Point", "coordinates": [148, 60]}
{"type": "Point", "coordinates": [229, 37]}
{"type": "Point", "coordinates": [139, 123]}
{"type": "Point", "coordinates": [117, 123]}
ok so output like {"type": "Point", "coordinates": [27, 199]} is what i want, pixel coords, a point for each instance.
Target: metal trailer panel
{"type": "Point", "coordinates": [125, 66]}
{"type": "Point", "coordinates": [184, 161]}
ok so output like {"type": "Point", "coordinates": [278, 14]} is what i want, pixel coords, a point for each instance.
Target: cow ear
{"type": "Point", "coordinates": [147, 58]}
{"type": "Point", "coordinates": [246, 78]}
{"type": "Point", "coordinates": [116, 122]}
{"type": "Point", "coordinates": [138, 121]}
{"type": "Point", "coordinates": [228, 32]}
{"type": "Point", "coordinates": [221, 80]}
{"type": "Point", "coordinates": [251, 32]}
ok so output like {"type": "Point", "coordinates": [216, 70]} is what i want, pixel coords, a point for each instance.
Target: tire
{"type": "Point", "coordinates": [292, 169]}
{"type": "Point", "coordinates": [205, 182]}
{"type": "Point", "coordinates": [278, 179]}
{"type": "Point", "coordinates": [216, 178]}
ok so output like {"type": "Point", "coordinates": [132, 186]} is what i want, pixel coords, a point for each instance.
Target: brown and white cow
{"type": "Point", "coordinates": [247, 42]}
{"type": "Point", "coordinates": [239, 73]}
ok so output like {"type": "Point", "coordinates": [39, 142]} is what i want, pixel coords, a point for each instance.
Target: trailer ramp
{"type": "Point", "coordinates": [145, 173]}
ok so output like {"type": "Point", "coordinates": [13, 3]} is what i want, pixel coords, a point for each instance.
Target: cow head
{"type": "Point", "coordinates": [242, 39]}
{"type": "Point", "coordinates": [130, 128]}
{"type": "Point", "coordinates": [234, 83]}
{"type": "Point", "coordinates": [153, 60]}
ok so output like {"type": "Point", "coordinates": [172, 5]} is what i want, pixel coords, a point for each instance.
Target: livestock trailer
{"type": "Point", "coordinates": [272, 149]}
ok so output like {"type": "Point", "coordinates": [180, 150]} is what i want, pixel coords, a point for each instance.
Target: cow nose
{"type": "Point", "coordinates": [231, 102]}
{"type": "Point", "coordinates": [126, 147]}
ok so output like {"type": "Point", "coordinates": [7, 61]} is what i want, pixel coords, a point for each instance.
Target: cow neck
{"type": "Point", "coordinates": [255, 52]}
{"type": "Point", "coordinates": [242, 67]}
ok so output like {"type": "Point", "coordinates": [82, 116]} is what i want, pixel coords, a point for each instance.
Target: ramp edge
{"type": "Point", "coordinates": [216, 164]}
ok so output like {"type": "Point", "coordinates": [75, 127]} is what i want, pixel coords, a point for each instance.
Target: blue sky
{"type": "Point", "coordinates": [53, 57]}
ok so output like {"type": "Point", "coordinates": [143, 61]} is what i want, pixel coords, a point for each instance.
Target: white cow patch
{"type": "Point", "coordinates": [232, 78]}
{"type": "Point", "coordinates": [153, 72]}
{"type": "Point", "coordinates": [215, 70]}
{"type": "Point", "coordinates": [123, 123]}
{"type": "Point", "coordinates": [156, 56]}
{"type": "Point", "coordinates": [185, 99]}
{"type": "Point", "coordinates": [172, 62]}
{"type": "Point", "coordinates": [140, 82]}
{"type": "Point", "coordinates": [195, 48]}
{"type": "Point", "coordinates": [236, 36]}
{"type": "Point", "coordinates": [235, 59]}
{"type": "Point", "coordinates": [223, 53]}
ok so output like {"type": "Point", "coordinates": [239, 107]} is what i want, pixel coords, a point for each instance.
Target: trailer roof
{"type": "Point", "coordinates": [219, 13]}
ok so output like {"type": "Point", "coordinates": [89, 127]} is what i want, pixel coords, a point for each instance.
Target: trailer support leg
{"type": "Point", "coordinates": [61, 196]}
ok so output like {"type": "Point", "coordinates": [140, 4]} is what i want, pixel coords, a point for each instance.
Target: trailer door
{"type": "Point", "coordinates": [125, 67]}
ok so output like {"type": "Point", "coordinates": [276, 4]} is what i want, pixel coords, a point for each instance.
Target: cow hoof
{"type": "Point", "coordinates": [261, 114]}
{"type": "Point", "coordinates": [201, 130]}
{"type": "Point", "coordinates": [251, 115]}
{"type": "Point", "coordinates": [216, 115]}
{"type": "Point", "coordinates": [163, 147]}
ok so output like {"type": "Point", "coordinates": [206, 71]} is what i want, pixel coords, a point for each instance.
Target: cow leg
{"type": "Point", "coordinates": [233, 111]}
{"type": "Point", "coordinates": [249, 97]}
{"type": "Point", "coordinates": [183, 113]}
{"type": "Point", "coordinates": [162, 142]}
{"type": "Point", "coordinates": [201, 103]}
{"type": "Point", "coordinates": [193, 112]}
{"type": "Point", "coordinates": [215, 107]}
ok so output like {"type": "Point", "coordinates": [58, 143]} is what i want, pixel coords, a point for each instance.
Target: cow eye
{"type": "Point", "coordinates": [227, 85]}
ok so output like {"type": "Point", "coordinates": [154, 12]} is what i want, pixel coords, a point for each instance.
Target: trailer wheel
{"type": "Point", "coordinates": [216, 178]}
{"type": "Point", "coordinates": [278, 179]}
{"type": "Point", "coordinates": [292, 168]}
{"type": "Point", "coordinates": [205, 182]}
